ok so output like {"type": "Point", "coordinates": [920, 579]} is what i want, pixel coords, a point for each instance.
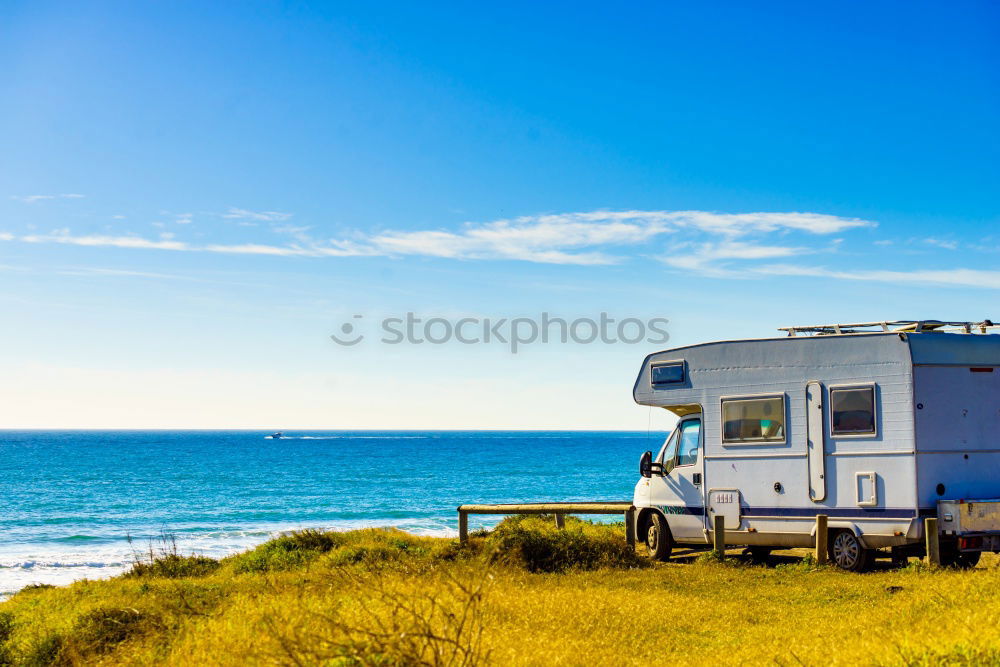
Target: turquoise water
{"type": "Point", "coordinates": [70, 499]}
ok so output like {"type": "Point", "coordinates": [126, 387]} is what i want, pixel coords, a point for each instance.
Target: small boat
{"type": "Point", "coordinates": [277, 436]}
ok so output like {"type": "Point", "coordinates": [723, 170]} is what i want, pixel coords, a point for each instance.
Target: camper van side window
{"type": "Point", "coordinates": [753, 420]}
{"type": "Point", "coordinates": [852, 411]}
{"type": "Point", "coordinates": [663, 375]}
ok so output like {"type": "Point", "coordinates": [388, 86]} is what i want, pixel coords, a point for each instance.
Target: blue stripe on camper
{"type": "Point", "coordinates": [682, 509]}
{"type": "Point", "coordinates": [810, 512]}
{"type": "Point", "coordinates": [846, 512]}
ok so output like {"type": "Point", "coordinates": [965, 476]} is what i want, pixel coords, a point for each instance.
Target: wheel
{"type": "Point", "coordinates": [847, 552]}
{"type": "Point", "coordinates": [963, 560]}
{"type": "Point", "coordinates": [759, 554]}
{"type": "Point", "coordinates": [658, 539]}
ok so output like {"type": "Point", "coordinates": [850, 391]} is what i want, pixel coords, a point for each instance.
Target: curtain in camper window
{"type": "Point", "coordinates": [753, 420]}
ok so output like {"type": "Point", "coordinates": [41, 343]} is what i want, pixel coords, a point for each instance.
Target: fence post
{"type": "Point", "coordinates": [821, 537]}
{"type": "Point", "coordinates": [933, 546]}
{"type": "Point", "coordinates": [560, 521]}
{"type": "Point", "coordinates": [463, 526]}
{"type": "Point", "coordinates": [719, 535]}
{"type": "Point", "coordinates": [630, 527]}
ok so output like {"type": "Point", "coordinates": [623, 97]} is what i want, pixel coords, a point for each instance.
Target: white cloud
{"type": "Point", "coordinates": [259, 249]}
{"type": "Point", "coordinates": [105, 241]}
{"type": "Point", "coordinates": [97, 271]}
{"type": "Point", "coordinates": [264, 216]}
{"type": "Point", "coordinates": [710, 258]}
{"type": "Point", "coordinates": [553, 238]}
{"type": "Point", "coordinates": [298, 233]}
{"type": "Point", "coordinates": [32, 199]}
{"type": "Point", "coordinates": [705, 243]}
{"type": "Point", "coordinates": [950, 277]}
{"type": "Point", "coordinates": [942, 243]}
{"type": "Point", "coordinates": [582, 238]}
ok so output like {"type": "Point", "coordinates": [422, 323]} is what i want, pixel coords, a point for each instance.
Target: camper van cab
{"type": "Point", "coordinates": [875, 425]}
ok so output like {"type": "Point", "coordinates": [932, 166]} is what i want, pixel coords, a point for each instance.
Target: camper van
{"type": "Point", "coordinates": [875, 425]}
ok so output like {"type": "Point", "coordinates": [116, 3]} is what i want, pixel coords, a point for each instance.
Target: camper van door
{"type": "Point", "coordinates": [679, 493]}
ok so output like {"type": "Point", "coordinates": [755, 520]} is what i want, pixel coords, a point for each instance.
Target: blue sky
{"type": "Point", "coordinates": [193, 197]}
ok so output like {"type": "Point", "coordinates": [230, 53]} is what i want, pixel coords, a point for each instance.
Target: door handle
{"type": "Point", "coordinates": [696, 479]}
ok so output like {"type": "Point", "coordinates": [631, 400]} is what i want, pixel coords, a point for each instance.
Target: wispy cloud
{"type": "Point", "coordinates": [262, 216]}
{"type": "Point", "coordinates": [167, 242]}
{"type": "Point", "coordinates": [710, 259]}
{"type": "Point", "coordinates": [587, 238]}
{"type": "Point", "coordinates": [33, 199]}
{"type": "Point", "coordinates": [942, 243]}
{"type": "Point", "coordinates": [568, 238]}
{"type": "Point", "coordinates": [105, 241]}
{"type": "Point", "coordinates": [953, 277]}
{"type": "Point", "coordinates": [558, 238]}
{"type": "Point", "coordinates": [97, 271]}
{"type": "Point", "coordinates": [703, 243]}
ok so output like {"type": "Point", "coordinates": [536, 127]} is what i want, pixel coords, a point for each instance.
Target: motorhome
{"type": "Point", "coordinates": [875, 425]}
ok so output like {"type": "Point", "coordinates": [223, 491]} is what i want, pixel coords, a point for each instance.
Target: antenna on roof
{"type": "Point", "coordinates": [901, 326]}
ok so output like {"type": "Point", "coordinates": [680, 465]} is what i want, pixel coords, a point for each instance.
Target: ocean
{"type": "Point", "coordinates": [70, 501]}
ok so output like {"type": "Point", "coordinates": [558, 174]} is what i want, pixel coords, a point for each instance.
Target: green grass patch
{"type": "Point", "coordinates": [525, 593]}
{"type": "Point", "coordinates": [173, 566]}
{"type": "Point", "coordinates": [536, 544]}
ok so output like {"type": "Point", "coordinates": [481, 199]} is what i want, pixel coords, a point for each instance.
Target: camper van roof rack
{"type": "Point", "coordinates": [911, 326]}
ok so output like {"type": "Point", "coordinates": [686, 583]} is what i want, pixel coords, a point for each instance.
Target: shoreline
{"type": "Point", "coordinates": [62, 567]}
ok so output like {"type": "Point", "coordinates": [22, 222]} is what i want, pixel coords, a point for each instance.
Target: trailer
{"type": "Point", "coordinates": [875, 425]}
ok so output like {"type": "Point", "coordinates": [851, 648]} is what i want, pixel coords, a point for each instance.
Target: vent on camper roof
{"type": "Point", "coordinates": [902, 326]}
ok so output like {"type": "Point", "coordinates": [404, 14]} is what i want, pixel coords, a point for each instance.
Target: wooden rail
{"type": "Point", "coordinates": [560, 510]}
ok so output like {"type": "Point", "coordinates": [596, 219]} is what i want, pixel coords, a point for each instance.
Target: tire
{"type": "Point", "coordinates": [847, 552]}
{"type": "Point", "coordinates": [963, 560]}
{"type": "Point", "coordinates": [659, 541]}
{"type": "Point", "coordinates": [759, 555]}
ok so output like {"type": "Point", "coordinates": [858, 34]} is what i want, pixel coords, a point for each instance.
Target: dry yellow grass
{"type": "Point", "coordinates": [383, 597]}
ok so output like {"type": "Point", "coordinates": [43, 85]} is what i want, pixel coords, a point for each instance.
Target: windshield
{"type": "Point", "coordinates": [669, 449]}
{"type": "Point", "coordinates": [687, 453]}
{"type": "Point", "coordinates": [681, 448]}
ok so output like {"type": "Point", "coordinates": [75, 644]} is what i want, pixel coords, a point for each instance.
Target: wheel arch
{"type": "Point", "coordinates": [833, 527]}
{"type": "Point", "coordinates": [643, 519]}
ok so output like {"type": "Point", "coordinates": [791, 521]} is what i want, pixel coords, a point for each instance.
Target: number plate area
{"type": "Point", "coordinates": [956, 517]}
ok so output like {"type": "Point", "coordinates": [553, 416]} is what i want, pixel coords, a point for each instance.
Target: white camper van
{"type": "Point", "coordinates": [876, 425]}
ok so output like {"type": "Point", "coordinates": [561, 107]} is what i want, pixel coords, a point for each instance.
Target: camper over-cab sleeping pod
{"type": "Point", "coordinates": [876, 425]}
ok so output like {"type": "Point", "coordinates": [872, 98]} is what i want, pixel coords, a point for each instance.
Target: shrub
{"type": "Point", "coordinates": [173, 566]}
{"type": "Point", "coordinates": [287, 552]}
{"type": "Point", "coordinates": [537, 545]}
{"type": "Point", "coordinates": [434, 618]}
{"type": "Point", "coordinates": [101, 630]}
{"type": "Point", "coordinates": [35, 587]}
{"type": "Point", "coordinates": [6, 630]}
{"type": "Point", "coordinates": [47, 652]}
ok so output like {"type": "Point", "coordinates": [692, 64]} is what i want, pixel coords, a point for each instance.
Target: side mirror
{"type": "Point", "coordinates": [646, 464]}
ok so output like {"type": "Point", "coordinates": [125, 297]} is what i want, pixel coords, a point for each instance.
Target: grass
{"type": "Point", "coordinates": [524, 593]}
